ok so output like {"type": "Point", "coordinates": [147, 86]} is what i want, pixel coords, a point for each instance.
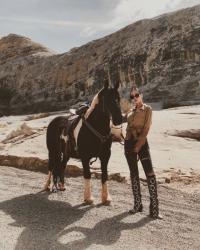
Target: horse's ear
{"type": "Point", "coordinates": [105, 87]}
{"type": "Point", "coordinates": [116, 86]}
{"type": "Point", "coordinates": [101, 92]}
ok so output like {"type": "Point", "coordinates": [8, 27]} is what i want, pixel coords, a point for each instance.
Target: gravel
{"type": "Point", "coordinates": [33, 220]}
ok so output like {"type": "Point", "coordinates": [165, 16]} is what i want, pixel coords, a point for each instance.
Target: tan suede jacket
{"type": "Point", "coordinates": [138, 124]}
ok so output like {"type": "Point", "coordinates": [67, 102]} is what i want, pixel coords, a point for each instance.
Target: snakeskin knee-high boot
{"type": "Point", "coordinates": [137, 195]}
{"type": "Point", "coordinates": [153, 208]}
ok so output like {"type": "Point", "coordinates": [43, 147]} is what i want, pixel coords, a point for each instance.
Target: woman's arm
{"type": "Point", "coordinates": [143, 135]}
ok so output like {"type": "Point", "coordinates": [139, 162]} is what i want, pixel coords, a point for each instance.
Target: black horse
{"type": "Point", "coordinates": [94, 140]}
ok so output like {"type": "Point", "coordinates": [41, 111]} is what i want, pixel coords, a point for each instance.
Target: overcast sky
{"type": "Point", "coordinates": [64, 24]}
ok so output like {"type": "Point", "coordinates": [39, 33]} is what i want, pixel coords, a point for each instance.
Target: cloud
{"type": "Point", "coordinates": [126, 12]}
{"type": "Point", "coordinates": [88, 31]}
{"type": "Point", "coordinates": [62, 24]}
{"type": "Point", "coordinates": [76, 10]}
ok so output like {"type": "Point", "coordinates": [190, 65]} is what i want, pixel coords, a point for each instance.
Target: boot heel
{"type": "Point", "coordinates": [136, 210]}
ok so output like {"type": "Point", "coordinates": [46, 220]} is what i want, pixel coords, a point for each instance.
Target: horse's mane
{"type": "Point", "coordinates": [94, 102]}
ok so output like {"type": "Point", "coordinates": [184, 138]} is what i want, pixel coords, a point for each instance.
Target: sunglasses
{"type": "Point", "coordinates": [134, 96]}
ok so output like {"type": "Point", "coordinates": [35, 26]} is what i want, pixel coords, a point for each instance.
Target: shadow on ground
{"type": "Point", "coordinates": [45, 222]}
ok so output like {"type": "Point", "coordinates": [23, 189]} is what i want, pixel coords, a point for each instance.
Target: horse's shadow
{"type": "Point", "coordinates": [42, 219]}
{"type": "Point", "coordinates": [45, 222]}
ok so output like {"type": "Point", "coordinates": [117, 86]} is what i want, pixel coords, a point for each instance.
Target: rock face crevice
{"type": "Point", "coordinates": [159, 55]}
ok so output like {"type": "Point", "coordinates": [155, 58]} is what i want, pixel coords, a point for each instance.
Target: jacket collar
{"type": "Point", "coordinates": [141, 108]}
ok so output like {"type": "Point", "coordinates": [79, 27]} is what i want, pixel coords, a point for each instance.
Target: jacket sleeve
{"type": "Point", "coordinates": [143, 135]}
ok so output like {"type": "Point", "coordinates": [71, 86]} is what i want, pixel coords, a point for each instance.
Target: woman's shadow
{"type": "Point", "coordinates": [43, 219]}
{"type": "Point", "coordinates": [105, 232]}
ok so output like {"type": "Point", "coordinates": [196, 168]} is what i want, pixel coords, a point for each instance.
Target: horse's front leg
{"type": "Point", "coordinates": [105, 196]}
{"type": "Point", "coordinates": [88, 199]}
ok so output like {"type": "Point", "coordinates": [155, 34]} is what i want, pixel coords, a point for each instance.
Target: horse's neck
{"type": "Point", "coordinates": [99, 119]}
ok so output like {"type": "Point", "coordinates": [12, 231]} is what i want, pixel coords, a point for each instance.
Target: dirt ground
{"type": "Point", "coordinates": [33, 220]}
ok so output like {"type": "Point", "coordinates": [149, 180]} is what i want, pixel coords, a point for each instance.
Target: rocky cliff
{"type": "Point", "coordinates": [159, 55]}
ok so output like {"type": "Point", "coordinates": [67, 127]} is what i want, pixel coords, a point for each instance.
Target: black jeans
{"type": "Point", "coordinates": [145, 158]}
{"type": "Point", "coordinates": [132, 158]}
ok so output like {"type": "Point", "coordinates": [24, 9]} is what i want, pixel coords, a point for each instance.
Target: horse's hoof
{"type": "Point", "coordinates": [61, 187]}
{"type": "Point", "coordinates": [54, 190]}
{"type": "Point", "coordinates": [88, 201]}
{"type": "Point", "coordinates": [47, 189]}
{"type": "Point", "coordinates": [106, 202]}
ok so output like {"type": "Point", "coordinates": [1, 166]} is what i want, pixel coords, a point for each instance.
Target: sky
{"type": "Point", "coordinates": [63, 24]}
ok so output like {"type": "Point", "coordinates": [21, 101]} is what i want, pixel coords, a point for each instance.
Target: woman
{"type": "Point", "coordinates": [136, 147]}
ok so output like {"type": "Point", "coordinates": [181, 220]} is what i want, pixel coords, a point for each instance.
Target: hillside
{"type": "Point", "coordinates": [160, 55]}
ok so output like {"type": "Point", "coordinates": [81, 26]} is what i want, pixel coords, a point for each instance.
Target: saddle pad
{"type": "Point", "coordinates": [77, 129]}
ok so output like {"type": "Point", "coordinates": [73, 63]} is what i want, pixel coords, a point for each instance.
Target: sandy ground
{"type": "Point", "coordinates": [30, 220]}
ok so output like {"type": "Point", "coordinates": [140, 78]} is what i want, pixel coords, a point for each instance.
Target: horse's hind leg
{"type": "Point", "coordinates": [65, 158]}
{"type": "Point", "coordinates": [88, 199]}
{"type": "Point", "coordinates": [57, 171]}
{"type": "Point", "coordinates": [54, 159]}
{"type": "Point", "coordinates": [48, 182]}
{"type": "Point", "coordinates": [61, 183]}
{"type": "Point", "coordinates": [105, 196]}
{"type": "Point", "coordinates": [50, 168]}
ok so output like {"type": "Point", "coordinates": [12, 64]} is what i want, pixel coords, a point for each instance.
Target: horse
{"type": "Point", "coordinates": [94, 140]}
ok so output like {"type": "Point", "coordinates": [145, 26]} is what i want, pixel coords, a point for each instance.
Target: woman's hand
{"type": "Point", "coordinates": [117, 132]}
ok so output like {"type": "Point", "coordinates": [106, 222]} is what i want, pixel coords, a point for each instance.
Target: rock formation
{"type": "Point", "coordinates": [159, 55]}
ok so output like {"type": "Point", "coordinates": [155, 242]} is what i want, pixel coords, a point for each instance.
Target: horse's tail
{"type": "Point", "coordinates": [53, 135]}
{"type": "Point", "coordinates": [54, 145]}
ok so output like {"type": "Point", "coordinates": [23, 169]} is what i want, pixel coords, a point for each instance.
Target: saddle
{"type": "Point", "coordinates": [74, 125]}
